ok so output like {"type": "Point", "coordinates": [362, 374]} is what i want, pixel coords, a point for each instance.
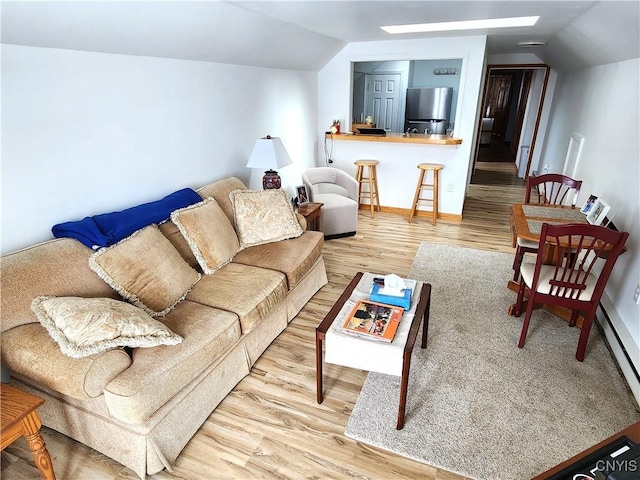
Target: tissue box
{"type": "Point", "coordinates": [404, 301]}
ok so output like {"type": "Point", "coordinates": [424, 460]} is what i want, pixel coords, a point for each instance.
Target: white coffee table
{"type": "Point", "coordinates": [391, 358]}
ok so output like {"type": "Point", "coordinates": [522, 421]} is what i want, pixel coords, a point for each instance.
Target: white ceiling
{"type": "Point", "coordinates": [306, 34]}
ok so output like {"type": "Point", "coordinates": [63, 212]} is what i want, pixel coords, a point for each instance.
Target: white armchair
{"type": "Point", "coordinates": [338, 191]}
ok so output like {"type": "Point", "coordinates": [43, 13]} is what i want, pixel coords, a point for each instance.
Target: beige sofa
{"type": "Point", "coordinates": [140, 406]}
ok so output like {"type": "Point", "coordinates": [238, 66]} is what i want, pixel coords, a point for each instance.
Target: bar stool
{"type": "Point", "coordinates": [371, 180]}
{"type": "Point", "coordinates": [424, 185]}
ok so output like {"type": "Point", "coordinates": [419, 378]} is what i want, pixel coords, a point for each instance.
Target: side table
{"type": "Point", "coordinates": [19, 417]}
{"type": "Point", "coordinates": [392, 358]}
{"type": "Point", "coordinates": [311, 213]}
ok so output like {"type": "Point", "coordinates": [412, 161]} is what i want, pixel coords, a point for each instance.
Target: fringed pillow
{"type": "Point", "coordinates": [86, 326]}
{"type": "Point", "coordinates": [208, 232]}
{"type": "Point", "coordinates": [146, 270]}
{"type": "Point", "coordinates": [263, 216]}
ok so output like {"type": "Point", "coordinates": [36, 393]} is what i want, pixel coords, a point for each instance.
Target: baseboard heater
{"type": "Point", "coordinates": [618, 339]}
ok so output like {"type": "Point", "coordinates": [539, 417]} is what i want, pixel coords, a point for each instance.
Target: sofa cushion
{"type": "Point", "coordinates": [249, 292]}
{"type": "Point", "coordinates": [263, 216]}
{"type": "Point", "coordinates": [146, 270]}
{"type": "Point", "coordinates": [208, 233]}
{"type": "Point", "coordinates": [157, 374]}
{"type": "Point", "coordinates": [57, 267]}
{"type": "Point", "coordinates": [221, 190]}
{"type": "Point", "coordinates": [173, 234]}
{"type": "Point", "coordinates": [85, 326]}
{"type": "Point", "coordinates": [29, 351]}
{"type": "Point", "coordinates": [293, 257]}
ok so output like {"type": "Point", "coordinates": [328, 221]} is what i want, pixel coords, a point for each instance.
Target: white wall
{"type": "Point", "coordinates": [603, 105]}
{"type": "Point", "coordinates": [86, 133]}
{"type": "Point", "coordinates": [398, 162]}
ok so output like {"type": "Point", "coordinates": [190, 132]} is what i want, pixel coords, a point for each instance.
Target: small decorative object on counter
{"type": "Point", "coordinates": [335, 127]}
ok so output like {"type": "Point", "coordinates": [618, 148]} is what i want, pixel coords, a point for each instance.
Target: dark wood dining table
{"type": "Point", "coordinates": [526, 223]}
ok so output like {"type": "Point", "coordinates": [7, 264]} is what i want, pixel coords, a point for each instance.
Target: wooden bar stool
{"type": "Point", "coordinates": [424, 185]}
{"type": "Point", "coordinates": [371, 180]}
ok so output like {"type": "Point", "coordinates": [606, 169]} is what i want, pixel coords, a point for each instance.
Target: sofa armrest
{"type": "Point", "coordinates": [302, 221]}
{"type": "Point", "coordinates": [29, 351]}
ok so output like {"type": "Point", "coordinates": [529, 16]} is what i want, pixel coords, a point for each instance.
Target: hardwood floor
{"type": "Point", "coordinates": [270, 426]}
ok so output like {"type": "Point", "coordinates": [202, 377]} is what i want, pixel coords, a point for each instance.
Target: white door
{"type": "Point", "coordinates": [573, 155]}
{"type": "Point", "coordinates": [383, 100]}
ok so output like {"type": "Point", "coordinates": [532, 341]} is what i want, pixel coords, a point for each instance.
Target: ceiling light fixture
{"type": "Point", "coordinates": [462, 25]}
{"type": "Point", "coordinates": [532, 43]}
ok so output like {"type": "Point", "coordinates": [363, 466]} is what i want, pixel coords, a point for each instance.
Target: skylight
{"type": "Point", "coordinates": [462, 25]}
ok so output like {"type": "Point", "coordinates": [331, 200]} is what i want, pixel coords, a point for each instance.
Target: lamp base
{"type": "Point", "coordinates": [271, 180]}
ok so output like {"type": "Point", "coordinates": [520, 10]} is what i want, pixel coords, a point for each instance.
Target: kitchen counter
{"type": "Point", "coordinates": [433, 139]}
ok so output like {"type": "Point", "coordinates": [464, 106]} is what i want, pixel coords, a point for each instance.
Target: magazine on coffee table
{"type": "Point", "coordinates": [373, 321]}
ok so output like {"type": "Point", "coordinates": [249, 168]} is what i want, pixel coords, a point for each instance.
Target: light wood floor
{"type": "Point", "coordinates": [270, 426]}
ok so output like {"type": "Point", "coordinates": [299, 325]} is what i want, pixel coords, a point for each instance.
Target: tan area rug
{"type": "Point", "coordinates": [477, 404]}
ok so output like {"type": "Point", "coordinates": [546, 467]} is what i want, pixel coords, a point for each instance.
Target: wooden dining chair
{"type": "Point", "coordinates": [573, 281]}
{"type": "Point", "coordinates": [550, 188]}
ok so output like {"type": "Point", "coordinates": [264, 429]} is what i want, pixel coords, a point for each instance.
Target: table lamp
{"type": "Point", "coordinates": [269, 153]}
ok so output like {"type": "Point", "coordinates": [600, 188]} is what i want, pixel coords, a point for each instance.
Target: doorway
{"type": "Point", "coordinates": [510, 115]}
{"type": "Point", "coordinates": [382, 100]}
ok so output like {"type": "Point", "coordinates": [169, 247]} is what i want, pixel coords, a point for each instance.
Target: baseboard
{"type": "Point", "coordinates": [624, 348]}
{"type": "Point", "coordinates": [419, 213]}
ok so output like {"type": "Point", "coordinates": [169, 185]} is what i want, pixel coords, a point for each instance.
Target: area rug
{"type": "Point", "coordinates": [477, 404]}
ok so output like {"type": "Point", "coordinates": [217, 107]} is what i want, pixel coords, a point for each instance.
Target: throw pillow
{"type": "Point", "coordinates": [263, 216]}
{"type": "Point", "coordinates": [146, 270]}
{"type": "Point", "coordinates": [85, 326]}
{"type": "Point", "coordinates": [208, 232]}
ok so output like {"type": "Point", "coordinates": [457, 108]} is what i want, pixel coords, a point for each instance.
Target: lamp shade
{"type": "Point", "coordinates": [269, 153]}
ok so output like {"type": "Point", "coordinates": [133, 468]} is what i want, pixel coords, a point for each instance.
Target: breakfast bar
{"type": "Point", "coordinates": [421, 138]}
{"type": "Point", "coordinates": [398, 156]}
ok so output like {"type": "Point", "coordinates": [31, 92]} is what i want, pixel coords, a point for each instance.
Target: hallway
{"type": "Point", "coordinates": [496, 152]}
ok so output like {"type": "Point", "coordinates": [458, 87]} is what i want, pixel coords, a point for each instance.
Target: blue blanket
{"type": "Point", "coordinates": [109, 228]}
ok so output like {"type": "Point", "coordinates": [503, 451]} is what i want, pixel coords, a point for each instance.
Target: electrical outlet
{"type": "Point", "coordinates": [636, 295]}
{"type": "Point", "coordinates": [450, 187]}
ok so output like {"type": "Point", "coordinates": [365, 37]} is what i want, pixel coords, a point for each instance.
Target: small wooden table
{"type": "Point", "coordinates": [20, 418]}
{"type": "Point", "coordinates": [421, 316]}
{"type": "Point", "coordinates": [311, 213]}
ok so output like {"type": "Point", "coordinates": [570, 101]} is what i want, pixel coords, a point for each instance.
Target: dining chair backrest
{"type": "Point", "coordinates": [578, 247]}
{"type": "Point", "coordinates": [553, 188]}
{"type": "Point", "coordinates": [572, 280]}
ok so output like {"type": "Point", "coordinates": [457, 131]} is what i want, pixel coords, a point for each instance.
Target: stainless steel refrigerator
{"type": "Point", "coordinates": [428, 109]}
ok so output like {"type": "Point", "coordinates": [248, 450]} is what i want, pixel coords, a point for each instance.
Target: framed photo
{"type": "Point", "coordinates": [598, 211]}
{"type": "Point", "coordinates": [302, 195]}
{"type": "Point", "coordinates": [588, 204]}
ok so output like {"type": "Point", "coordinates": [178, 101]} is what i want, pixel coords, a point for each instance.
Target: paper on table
{"type": "Point", "coordinates": [393, 285]}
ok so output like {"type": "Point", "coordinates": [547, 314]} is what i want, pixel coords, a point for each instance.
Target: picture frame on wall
{"type": "Point", "coordinates": [302, 195]}
{"type": "Point", "coordinates": [598, 212]}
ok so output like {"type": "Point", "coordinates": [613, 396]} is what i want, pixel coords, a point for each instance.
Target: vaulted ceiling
{"type": "Point", "coordinates": [306, 34]}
